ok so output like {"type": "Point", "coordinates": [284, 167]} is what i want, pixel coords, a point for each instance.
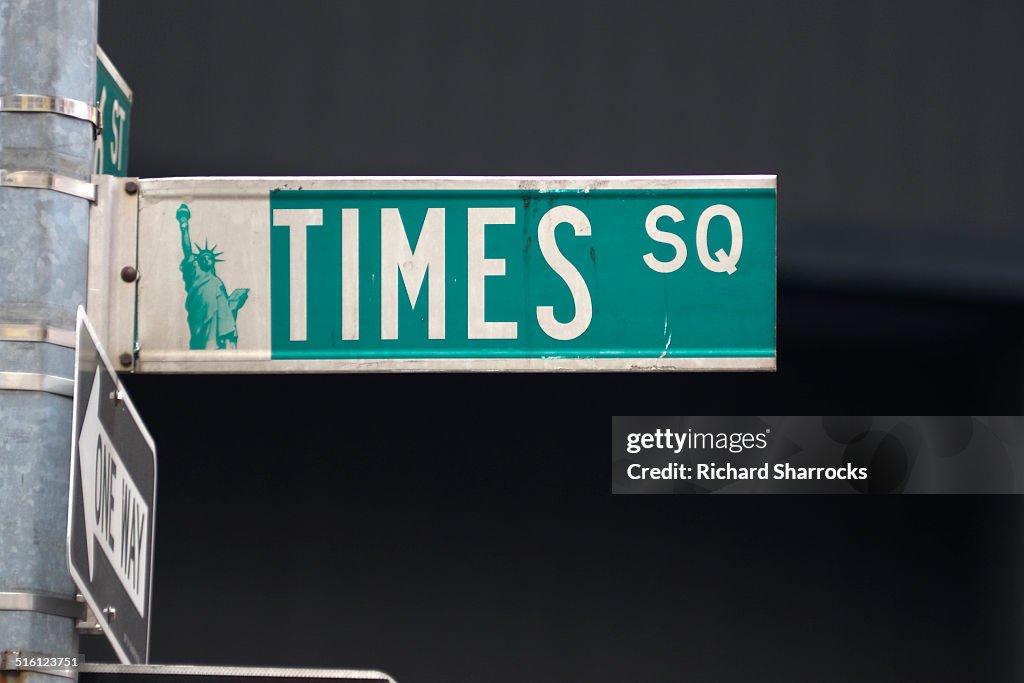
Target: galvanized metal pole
{"type": "Point", "coordinates": [47, 48]}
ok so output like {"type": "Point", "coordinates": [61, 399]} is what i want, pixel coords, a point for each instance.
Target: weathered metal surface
{"type": "Point", "coordinates": [46, 46]}
{"type": "Point", "coordinates": [112, 247]}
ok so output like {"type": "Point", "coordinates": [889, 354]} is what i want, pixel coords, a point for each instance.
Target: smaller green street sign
{"type": "Point", "coordinates": [114, 100]}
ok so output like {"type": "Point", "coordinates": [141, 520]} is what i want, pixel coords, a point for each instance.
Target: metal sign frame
{"type": "Point", "coordinates": [146, 198]}
{"type": "Point", "coordinates": [142, 670]}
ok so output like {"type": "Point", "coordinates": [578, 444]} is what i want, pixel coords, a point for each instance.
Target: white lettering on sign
{"type": "Point", "coordinates": [479, 267]}
{"type": "Point", "coordinates": [427, 262]}
{"type": "Point", "coordinates": [350, 274]}
{"type": "Point", "coordinates": [397, 256]}
{"type": "Point", "coordinates": [724, 262]}
{"type": "Point", "coordinates": [101, 105]}
{"type": "Point", "coordinates": [677, 261]}
{"type": "Point", "coordinates": [298, 221]}
{"type": "Point", "coordinates": [561, 265]}
{"type": "Point", "coordinates": [117, 118]}
{"type": "Point", "coordinates": [116, 514]}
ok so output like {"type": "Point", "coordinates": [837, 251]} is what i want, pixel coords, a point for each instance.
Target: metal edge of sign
{"type": "Point", "coordinates": [240, 186]}
{"type": "Point", "coordinates": [234, 671]}
{"type": "Point", "coordinates": [434, 365]}
{"type": "Point", "coordinates": [101, 56]}
{"type": "Point", "coordinates": [82, 321]}
{"type": "Point", "coordinates": [775, 278]}
{"type": "Point", "coordinates": [113, 237]}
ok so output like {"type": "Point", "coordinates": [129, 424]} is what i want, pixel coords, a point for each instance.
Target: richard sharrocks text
{"type": "Point", "coordinates": [730, 472]}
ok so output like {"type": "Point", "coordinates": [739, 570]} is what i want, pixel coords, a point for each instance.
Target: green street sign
{"type": "Point", "coordinates": [114, 100]}
{"type": "Point", "coordinates": [366, 274]}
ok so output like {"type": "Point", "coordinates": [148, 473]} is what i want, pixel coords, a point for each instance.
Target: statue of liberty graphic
{"type": "Point", "coordinates": [212, 312]}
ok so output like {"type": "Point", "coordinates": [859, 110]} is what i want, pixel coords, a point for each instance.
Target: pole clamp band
{"type": "Point", "coordinates": [39, 662]}
{"type": "Point", "coordinates": [37, 332]}
{"type": "Point", "coordinates": [35, 381]}
{"type": "Point", "coordinates": [51, 104]}
{"type": "Point", "coordinates": [44, 180]}
{"type": "Point", "coordinates": [42, 602]}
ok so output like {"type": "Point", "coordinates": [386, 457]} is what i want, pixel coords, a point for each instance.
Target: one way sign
{"type": "Point", "coordinates": [113, 502]}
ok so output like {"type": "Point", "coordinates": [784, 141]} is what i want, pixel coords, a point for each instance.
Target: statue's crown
{"type": "Point", "coordinates": [207, 249]}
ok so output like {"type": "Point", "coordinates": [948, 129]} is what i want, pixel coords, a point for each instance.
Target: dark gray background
{"type": "Point", "coordinates": [457, 528]}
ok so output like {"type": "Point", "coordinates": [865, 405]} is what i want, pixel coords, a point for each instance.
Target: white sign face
{"type": "Point", "coordinates": [112, 504]}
